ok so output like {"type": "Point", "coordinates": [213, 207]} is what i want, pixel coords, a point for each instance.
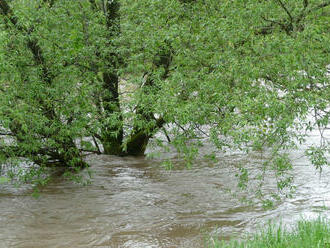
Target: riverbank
{"type": "Point", "coordinates": [306, 234]}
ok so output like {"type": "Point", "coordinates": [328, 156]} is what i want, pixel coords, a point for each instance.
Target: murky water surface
{"type": "Point", "coordinates": [134, 202]}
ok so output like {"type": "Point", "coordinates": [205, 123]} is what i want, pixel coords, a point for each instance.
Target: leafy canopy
{"type": "Point", "coordinates": [239, 74]}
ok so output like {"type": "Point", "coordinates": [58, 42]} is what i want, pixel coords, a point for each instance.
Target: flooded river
{"type": "Point", "coordinates": [136, 203]}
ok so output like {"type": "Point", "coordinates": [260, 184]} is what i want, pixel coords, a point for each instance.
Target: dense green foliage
{"type": "Point", "coordinates": [307, 234]}
{"type": "Point", "coordinates": [240, 74]}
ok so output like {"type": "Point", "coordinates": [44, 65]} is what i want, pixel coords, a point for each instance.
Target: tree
{"type": "Point", "coordinates": [241, 74]}
{"type": "Point", "coordinates": [33, 92]}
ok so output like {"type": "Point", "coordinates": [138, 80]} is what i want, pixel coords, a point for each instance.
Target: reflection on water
{"type": "Point", "coordinates": [135, 203]}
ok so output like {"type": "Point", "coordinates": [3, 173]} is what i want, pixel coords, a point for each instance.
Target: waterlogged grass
{"type": "Point", "coordinates": [306, 234]}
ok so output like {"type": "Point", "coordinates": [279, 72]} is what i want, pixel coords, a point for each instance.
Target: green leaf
{"type": "Point", "coordinates": [4, 180]}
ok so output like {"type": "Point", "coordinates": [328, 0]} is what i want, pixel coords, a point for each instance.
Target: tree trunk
{"type": "Point", "coordinates": [140, 137]}
{"type": "Point", "coordinates": [112, 131]}
{"type": "Point", "coordinates": [112, 135]}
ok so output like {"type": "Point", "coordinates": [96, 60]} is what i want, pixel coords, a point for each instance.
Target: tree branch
{"type": "Point", "coordinates": [320, 6]}
{"type": "Point", "coordinates": [272, 21]}
{"type": "Point", "coordinates": [304, 13]}
{"type": "Point", "coordinates": [166, 134]}
{"type": "Point", "coordinates": [6, 134]}
{"type": "Point", "coordinates": [285, 9]}
{"type": "Point", "coordinates": [96, 144]}
{"type": "Point", "coordinates": [6, 11]}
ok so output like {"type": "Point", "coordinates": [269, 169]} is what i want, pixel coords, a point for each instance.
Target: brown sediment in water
{"type": "Point", "coordinates": [134, 202]}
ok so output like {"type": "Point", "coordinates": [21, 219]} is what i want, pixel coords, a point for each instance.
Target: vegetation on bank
{"type": "Point", "coordinates": [306, 234]}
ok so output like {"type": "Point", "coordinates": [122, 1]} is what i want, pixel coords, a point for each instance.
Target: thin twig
{"type": "Point", "coordinates": [97, 145]}
{"type": "Point", "coordinates": [7, 134]}
{"type": "Point", "coordinates": [199, 129]}
{"type": "Point", "coordinates": [167, 137]}
{"type": "Point", "coordinates": [272, 21]}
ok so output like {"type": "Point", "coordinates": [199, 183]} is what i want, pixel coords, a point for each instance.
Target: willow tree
{"type": "Point", "coordinates": [239, 74]}
{"type": "Point", "coordinates": [38, 113]}
{"type": "Point", "coordinates": [242, 74]}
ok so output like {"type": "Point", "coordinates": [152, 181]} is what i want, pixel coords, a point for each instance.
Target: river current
{"type": "Point", "coordinates": [136, 203]}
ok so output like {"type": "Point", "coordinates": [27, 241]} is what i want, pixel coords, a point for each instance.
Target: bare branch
{"type": "Point", "coordinates": [96, 144]}
{"type": "Point", "coordinates": [200, 130]}
{"type": "Point", "coordinates": [6, 134]}
{"type": "Point", "coordinates": [166, 134]}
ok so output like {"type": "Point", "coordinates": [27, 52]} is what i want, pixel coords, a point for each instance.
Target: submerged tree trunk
{"type": "Point", "coordinates": [112, 133]}
{"type": "Point", "coordinates": [140, 137]}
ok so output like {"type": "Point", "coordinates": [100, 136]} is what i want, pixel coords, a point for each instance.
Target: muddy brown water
{"type": "Point", "coordinates": [136, 203]}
